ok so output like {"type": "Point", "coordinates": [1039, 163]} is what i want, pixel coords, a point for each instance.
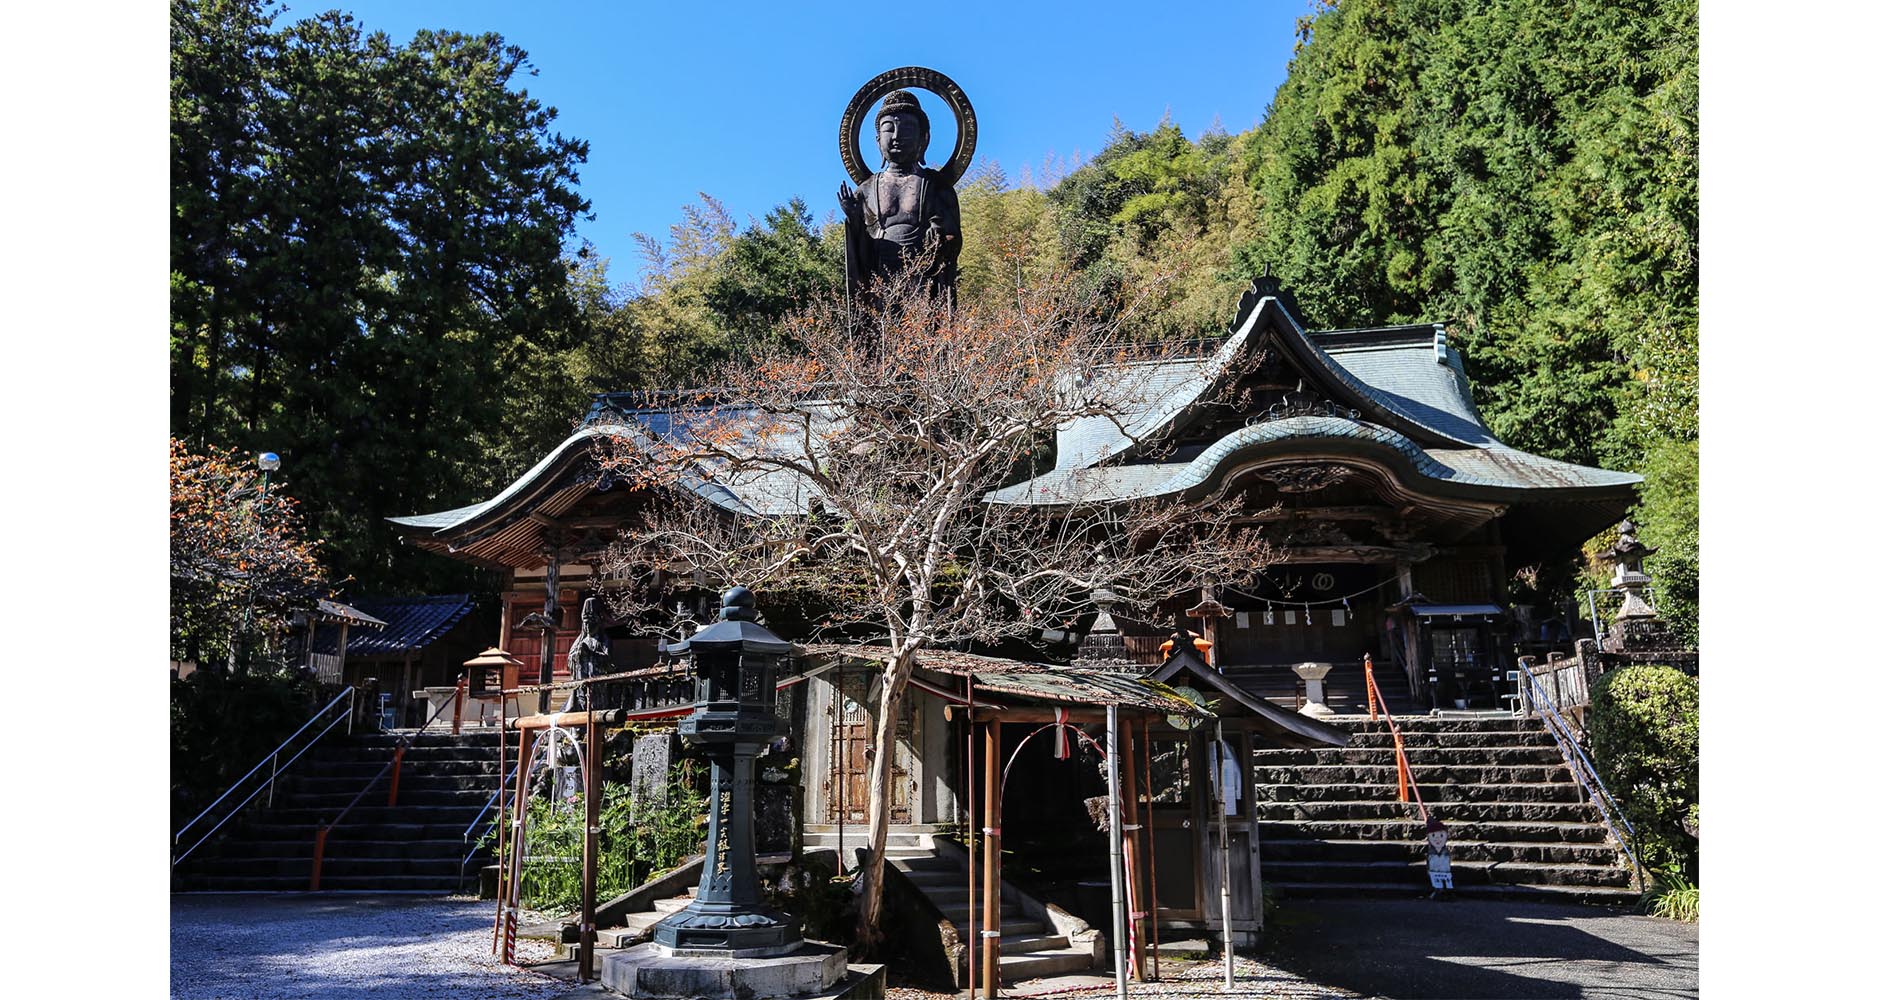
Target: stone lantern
{"type": "Point", "coordinates": [736, 663]}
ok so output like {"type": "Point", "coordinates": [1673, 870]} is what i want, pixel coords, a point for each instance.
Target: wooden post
{"type": "Point", "coordinates": [1148, 825]}
{"type": "Point", "coordinates": [590, 852]}
{"type": "Point", "coordinates": [461, 698]}
{"type": "Point", "coordinates": [1137, 946]}
{"type": "Point", "coordinates": [992, 856]}
{"type": "Point", "coordinates": [512, 870]}
{"type": "Point", "coordinates": [502, 847]}
{"type": "Point", "coordinates": [550, 606]}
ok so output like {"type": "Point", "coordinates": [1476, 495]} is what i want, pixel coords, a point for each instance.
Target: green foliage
{"type": "Point", "coordinates": [1644, 736]}
{"type": "Point", "coordinates": [638, 839]}
{"type": "Point", "coordinates": [1674, 897]}
{"type": "Point", "coordinates": [240, 564]}
{"type": "Point", "coordinates": [209, 751]}
{"type": "Point", "coordinates": [1525, 169]}
{"type": "Point", "coordinates": [1670, 526]}
{"type": "Point", "coordinates": [363, 236]}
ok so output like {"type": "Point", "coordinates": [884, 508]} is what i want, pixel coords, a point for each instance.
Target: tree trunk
{"type": "Point", "coordinates": [870, 908]}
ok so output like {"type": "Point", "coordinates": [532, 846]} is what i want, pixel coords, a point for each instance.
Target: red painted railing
{"type": "Point", "coordinates": [1375, 707]}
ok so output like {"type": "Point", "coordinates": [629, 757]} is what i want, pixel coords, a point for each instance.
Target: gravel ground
{"type": "Point", "coordinates": [1180, 981]}
{"type": "Point", "coordinates": [344, 947]}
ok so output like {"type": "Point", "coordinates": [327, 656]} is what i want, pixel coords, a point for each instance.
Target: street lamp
{"type": "Point", "coordinates": [269, 463]}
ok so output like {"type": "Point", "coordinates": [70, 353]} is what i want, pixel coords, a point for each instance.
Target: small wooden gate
{"type": "Point", "coordinates": [853, 725]}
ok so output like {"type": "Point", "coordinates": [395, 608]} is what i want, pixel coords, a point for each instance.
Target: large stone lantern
{"type": "Point", "coordinates": [736, 663]}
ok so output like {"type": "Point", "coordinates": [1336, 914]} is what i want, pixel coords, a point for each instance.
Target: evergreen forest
{"type": "Point", "coordinates": [374, 270]}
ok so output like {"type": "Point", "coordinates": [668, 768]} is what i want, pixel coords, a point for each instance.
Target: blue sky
{"type": "Point", "coordinates": [742, 100]}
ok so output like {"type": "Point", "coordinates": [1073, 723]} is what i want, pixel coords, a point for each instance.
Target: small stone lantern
{"type": "Point", "coordinates": [1314, 674]}
{"type": "Point", "coordinates": [736, 663]}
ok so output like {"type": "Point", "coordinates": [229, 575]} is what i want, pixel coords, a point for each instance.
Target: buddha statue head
{"type": "Point", "coordinates": [903, 130]}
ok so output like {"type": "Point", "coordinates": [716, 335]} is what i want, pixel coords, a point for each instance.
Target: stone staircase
{"type": "Point", "coordinates": [1033, 947]}
{"type": "Point", "coordinates": [416, 845]}
{"type": "Point", "coordinates": [1331, 822]}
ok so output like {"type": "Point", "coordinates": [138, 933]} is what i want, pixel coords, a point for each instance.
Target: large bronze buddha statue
{"type": "Point", "coordinates": [904, 210]}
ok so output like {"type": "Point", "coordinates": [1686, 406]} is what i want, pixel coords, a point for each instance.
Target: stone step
{"type": "Point", "coordinates": [333, 865]}
{"type": "Point", "coordinates": [270, 828]}
{"type": "Point", "coordinates": [1600, 895]}
{"type": "Point", "coordinates": [408, 793]}
{"type": "Point", "coordinates": [301, 883]}
{"type": "Point", "coordinates": [1409, 828]}
{"type": "Point", "coordinates": [1018, 926]}
{"type": "Point", "coordinates": [925, 863]}
{"type": "Point", "coordinates": [488, 741]}
{"type": "Point", "coordinates": [346, 785]}
{"type": "Point", "coordinates": [1480, 812]}
{"type": "Point", "coordinates": [1462, 873]}
{"type": "Point", "coordinates": [1430, 792]}
{"type": "Point", "coordinates": [1382, 740]}
{"type": "Point", "coordinates": [1043, 964]}
{"type": "Point", "coordinates": [1388, 774]}
{"type": "Point", "coordinates": [303, 846]}
{"type": "Point", "coordinates": [1409, 724]}
{"type": "Point", "coordinates": [1421, 757]}
{"type": "Point", "coordinates": [381, 754]}
{"type": "Point", "coordinates": [372, 812]}
{"type": "Point", "coordinates": [1028, 941]}
{"type": "Point", "coordinates": [361, 771]}
{"type": "Point", "coordinates": [1403, 850]}
{"type": "Point", "coordinates": [925, 877]}
{"type": "Point", "coordinates": [959, 911]}
{"type": "Point", "coordinates": [663, 907]}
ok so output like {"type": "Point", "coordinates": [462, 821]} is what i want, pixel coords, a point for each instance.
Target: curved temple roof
{"type": "Point", "coordinates": [1418, 418]}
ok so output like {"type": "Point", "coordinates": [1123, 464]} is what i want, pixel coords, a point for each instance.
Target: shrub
{"type": "Point", "coordinates": [1643, 732]}
{"type": "Point", "coordinates": [638, 839]}
{"type": "Point", "coordinates": [1674, 897]}
{"type": "Point", "coordinates": [222, 725]}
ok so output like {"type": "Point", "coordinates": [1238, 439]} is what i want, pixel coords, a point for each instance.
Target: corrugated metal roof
{"type": "Point", "coordinates": [336, 612]}
{"type": "Point", "coordinates": [412, 622]}
{"type": "Point", "coordinates": [1034, 681]}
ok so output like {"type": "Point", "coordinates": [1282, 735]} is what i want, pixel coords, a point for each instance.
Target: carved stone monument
{"type": "Point", "coordinates": [906, 209]}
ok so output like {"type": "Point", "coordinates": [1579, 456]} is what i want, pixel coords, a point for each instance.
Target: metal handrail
{"type": "Point", "coordinates": [482, 814]}
{"type": "Point", "coordinates": [1375, 705]}
{"type": "Point", "coordinates": [402, 744]}
{"type": "Point", "coordinates": [349, 715]}
{"type": "Point", "coordinates": [1586, 774]}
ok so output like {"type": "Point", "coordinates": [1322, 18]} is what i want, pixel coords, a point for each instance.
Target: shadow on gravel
{"type": "Point", "coordinates": [341, 947]}
{"type": "Point", "coordinates": [1481, 949]}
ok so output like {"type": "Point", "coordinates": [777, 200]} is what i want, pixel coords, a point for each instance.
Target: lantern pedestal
{"type": "Point", "coordinates": [652, 970]}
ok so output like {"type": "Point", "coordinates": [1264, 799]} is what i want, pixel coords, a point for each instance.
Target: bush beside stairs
{"type": "Point", "coordinates": [1520, 825]}
{"type": "Point", "coordinates": [416, 845]}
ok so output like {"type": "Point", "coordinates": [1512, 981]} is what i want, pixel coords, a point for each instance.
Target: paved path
{"type": "Point", "coordinates": [1410, 949]}
{"type": "Point", "coordinates": [343, 947]}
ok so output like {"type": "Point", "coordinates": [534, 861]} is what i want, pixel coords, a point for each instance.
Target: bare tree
{"type": "Point", "coordinates": [855, 458]}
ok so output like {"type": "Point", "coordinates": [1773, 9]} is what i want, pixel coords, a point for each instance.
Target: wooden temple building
{"type": "Point", "coordinates": [1398, 515]}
